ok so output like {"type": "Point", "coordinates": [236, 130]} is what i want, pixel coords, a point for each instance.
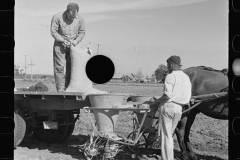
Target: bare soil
{"type": "Point", "coordinates": [209, 137]}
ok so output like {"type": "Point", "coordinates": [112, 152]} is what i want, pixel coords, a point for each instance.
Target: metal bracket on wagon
{"type": "Point", "coordinates": [86, 109]}
{"type": "Point", "coordinates": [81, 97]}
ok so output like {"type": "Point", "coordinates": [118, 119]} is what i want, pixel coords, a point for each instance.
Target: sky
{"type": "Point", "coordinates": [134, 34]}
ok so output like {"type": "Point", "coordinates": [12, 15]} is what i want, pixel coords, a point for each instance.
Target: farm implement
{"type": "Point", "coordinates": [50, 116]}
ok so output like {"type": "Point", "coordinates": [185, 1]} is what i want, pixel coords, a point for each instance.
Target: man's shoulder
{"type": "Point", "coordinates": [80, 16]}
{"type": "Point", "coordinates": [186, 77]}
{"type": "Point", "coordinates": [169, 76]}
{"type": "Point", "coordinates": [184, 74]}
{"type": "Point", "coordinates": [179, 72]}
{"type": "Point", "coordinates": [59, 14]}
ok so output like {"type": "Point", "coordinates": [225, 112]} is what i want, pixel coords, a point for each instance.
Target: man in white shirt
{"type": "Point", "coordinates": [177, 93]}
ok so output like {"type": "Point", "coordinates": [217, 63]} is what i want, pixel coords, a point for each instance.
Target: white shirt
{"type": "Point", "coordinates": [178, 87]}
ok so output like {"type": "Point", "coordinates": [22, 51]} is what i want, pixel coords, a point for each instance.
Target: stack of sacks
{"type": "Point", "coordinates": [37, 87]}
{"type": "Point", "coordinates": [79, 81]}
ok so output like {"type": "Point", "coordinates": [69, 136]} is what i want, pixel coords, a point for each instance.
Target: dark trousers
{"type": "Point", "coordinates": [61, 59]}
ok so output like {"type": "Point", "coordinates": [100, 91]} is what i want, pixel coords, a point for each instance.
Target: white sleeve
{"type": "Point", "coordinates": [169, 83]}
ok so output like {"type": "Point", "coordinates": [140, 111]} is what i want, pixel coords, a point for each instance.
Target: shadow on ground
{"type": "Point", "coordinates": [68, 147]}
{"type": "Point", "coordinates": [71, 147]}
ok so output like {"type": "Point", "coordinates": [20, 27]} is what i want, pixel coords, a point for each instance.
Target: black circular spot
{"type": "Point", "coordinates": [235, 125]}
{"type": "Point", "coordinates": [235, 43]}
{"type": "Point", "coordinates": [235, 84]}
{"type": "Point", "coordinates": [236, 5]}
{"type": "Point", "coordinates": [100, 69]}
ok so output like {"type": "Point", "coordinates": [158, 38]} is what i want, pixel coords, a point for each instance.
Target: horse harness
{"type": "Point", "coordinates": [224, 71]}
{"type": "Point", "coordinates": [187, 108]}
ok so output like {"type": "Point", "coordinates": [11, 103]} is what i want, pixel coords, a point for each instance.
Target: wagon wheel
{"type": "Point", "coordinates": [71, 127]}
{"type": "Point", "coordinates": [142, 142]}
{"type": "Point", "coordinates": [50, 135]}
{"type": "Point", "coordinates": [19, 129]}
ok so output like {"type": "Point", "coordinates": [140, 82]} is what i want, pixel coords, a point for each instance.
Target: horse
{"type": "Point", "coordinates": [204, 80]}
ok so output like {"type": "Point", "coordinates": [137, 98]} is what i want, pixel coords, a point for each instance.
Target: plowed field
{"type": "Point", "coordinates": [208, 136]}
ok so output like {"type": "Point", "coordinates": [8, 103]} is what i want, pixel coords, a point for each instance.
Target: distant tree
{"type": "Point", "coordinates": [18, 73]}
{"type": "Point", "coordinates": [161, 72]}
{"type": "Point", "coordinates": [127, 78]}
{"type": "Point", "coordinates": [21, 71]}
{"type": "Point", "coordinates": [16, 70]}
{"type": "Point", "coordinates": [124, 78]}
{"type": "Point", "coordinates": [153, 75]}
{"type": "Point", "coordinates": [139, 75]}
{"type": "Point", "coordinates": [131, 77]}
{"type": "Point", "coordinates": [44, 77]}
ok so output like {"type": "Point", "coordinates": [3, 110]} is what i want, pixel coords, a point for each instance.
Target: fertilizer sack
{"type": "Point", "coordinates": [79, 81]}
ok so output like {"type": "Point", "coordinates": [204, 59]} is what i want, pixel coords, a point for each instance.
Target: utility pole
{"type": "Point", "coordinates": [98, 48]}
{"type": "Point", "coordinates": [25, 68]}
{"type": "Point", "coordinates": [31, 68]}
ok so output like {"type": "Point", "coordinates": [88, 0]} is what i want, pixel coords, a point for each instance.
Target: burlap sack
{"type": "Point", "coordinates": [79, 81]}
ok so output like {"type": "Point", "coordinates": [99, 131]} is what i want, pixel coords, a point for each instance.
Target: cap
{"type": "Point", "coordinates": [73, 6]}
{"type": "Point", "coordinates": [175, 59]}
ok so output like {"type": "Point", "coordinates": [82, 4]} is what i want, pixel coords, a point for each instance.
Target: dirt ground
{"type": "Point", "coordinates": [209, 137]}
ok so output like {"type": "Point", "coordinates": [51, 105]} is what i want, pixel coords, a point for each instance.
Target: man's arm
{"type": "Point", "coordinates": [163, 99]}
{"type": "Point", "coordinates": [54, 29]}
{"type": "Point", "coordinates": [167, 94]}
{"type": "Point", "coordinates": [81, 31]}
{"type": "Point", "coordinates": [157, 103]}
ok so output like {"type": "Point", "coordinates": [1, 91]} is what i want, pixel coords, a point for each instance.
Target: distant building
{"type": "Point", "coordinates": [151, 80]}
{"type": "Point", "coordinates": [116, 78]}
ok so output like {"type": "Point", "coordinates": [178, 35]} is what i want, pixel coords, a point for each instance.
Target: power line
{"type": "Point", "coordinates": [25, 68]}
{"type": "Point", "coordinates": [98, 47]}
{"type": "Point", "coordinates": [31, 68]}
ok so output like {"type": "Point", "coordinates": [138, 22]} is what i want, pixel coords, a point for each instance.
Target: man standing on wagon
{"type": "Point", "coordinates": [67, 28]}
{"type": "Point", "coordinates": [177, 93]}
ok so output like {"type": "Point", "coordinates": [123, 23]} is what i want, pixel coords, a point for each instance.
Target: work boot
{"type": "Point", "coordinates": [60, 90]}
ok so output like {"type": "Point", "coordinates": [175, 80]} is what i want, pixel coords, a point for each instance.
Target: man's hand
{"type": "Point", "coordinates": [144, 106]}
{"type": "Point", "coordinates": [153, 99]}
{"type": "Point", "coordinates": [66, 43]}
{"type": "Point", "coordinates": [74, 43]}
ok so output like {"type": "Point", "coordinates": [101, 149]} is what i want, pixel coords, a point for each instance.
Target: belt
{"type": "Point", "coordinates": [180, 103]}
